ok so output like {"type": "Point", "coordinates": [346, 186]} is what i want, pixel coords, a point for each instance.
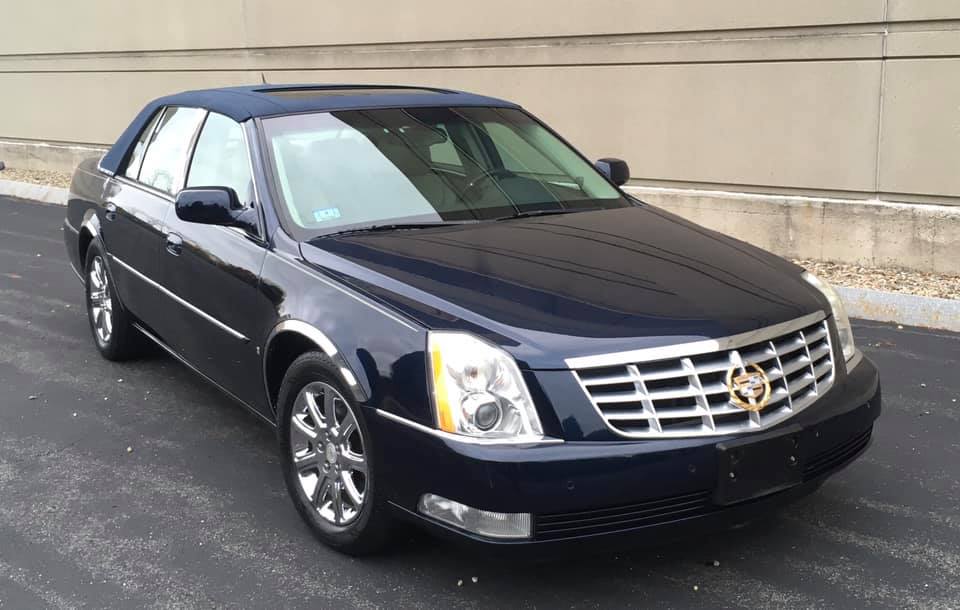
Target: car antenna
{"type": "Point", "coordinates": [263, 79]}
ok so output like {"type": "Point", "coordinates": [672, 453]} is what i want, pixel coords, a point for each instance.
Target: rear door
{"type": "Point", "coordinates": [136, 203]}
{"type": "Point", "coordinates": [215, 270]}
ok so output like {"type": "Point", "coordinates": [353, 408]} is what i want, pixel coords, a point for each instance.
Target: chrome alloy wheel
{"type": "Point", "coordinates": [101, 305]}
{"type": "Point", "coordinates": [328, 454]}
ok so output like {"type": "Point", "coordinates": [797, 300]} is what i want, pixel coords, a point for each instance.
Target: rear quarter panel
{"type": "Point", "coordinates": [83, 204]}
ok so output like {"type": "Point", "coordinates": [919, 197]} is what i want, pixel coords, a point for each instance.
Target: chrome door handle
{"type": "Point", "coordinates": [174, 244]}
{"type": "Point", "coordinates": [111, 211]}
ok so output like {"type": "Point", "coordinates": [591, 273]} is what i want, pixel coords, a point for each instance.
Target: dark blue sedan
{"type": "Point", "coordinates": [452, 317]}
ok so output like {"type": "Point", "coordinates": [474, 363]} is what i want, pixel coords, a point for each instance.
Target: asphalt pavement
{"type": "Point", "coordinates": [138, 485]}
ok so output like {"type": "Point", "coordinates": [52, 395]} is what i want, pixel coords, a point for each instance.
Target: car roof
{"type": "Point", "coordinates": [242, 103]}
{"type": "Point", "coordinates": [249, 101]}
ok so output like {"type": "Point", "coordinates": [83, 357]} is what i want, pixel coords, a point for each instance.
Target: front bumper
{"type": "Point", "coordinates": [621, 491]}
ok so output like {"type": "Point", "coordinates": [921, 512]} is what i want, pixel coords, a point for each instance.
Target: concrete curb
{"type": "Point", "coordinates": [35, 192]}
{"type": "Point", "coordinates": [904, 309]}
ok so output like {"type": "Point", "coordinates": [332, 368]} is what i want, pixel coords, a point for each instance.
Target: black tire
{"type": "Point", "coordinates": [123, 341]}
{"type": "Point", "coordinates": [367, 529]}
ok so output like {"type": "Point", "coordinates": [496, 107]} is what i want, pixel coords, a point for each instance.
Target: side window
{"type": "Point", "coordinates": [166, 157]}
{"type": "Point", "coordinates": [136, 157]}
{"type": "Point", "coordinates": [220, 158]}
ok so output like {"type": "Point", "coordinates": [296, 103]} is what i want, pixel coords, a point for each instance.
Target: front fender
{"type": "Point", "coordinates": [381, 350]}
{"type": "Point", "coordinates": [360, 392]}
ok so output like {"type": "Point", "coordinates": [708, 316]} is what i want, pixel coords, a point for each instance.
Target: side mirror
{"type": "Point", "coordinates": [213, 205]}
{"type": "Point", "coordinates": [616, 170]}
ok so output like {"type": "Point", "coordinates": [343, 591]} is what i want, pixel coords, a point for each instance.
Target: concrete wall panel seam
{"type": "Point", "coordinates": [880, 95]}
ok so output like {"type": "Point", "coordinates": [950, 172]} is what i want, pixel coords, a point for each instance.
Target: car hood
{"type": "Point", "coordinates": [556, 287]}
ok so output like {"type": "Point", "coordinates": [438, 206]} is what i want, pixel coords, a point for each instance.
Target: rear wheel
{"type": "Point", "coordinates": [113, 333]}
{"type": "Point", "coordinates": [327, 457]}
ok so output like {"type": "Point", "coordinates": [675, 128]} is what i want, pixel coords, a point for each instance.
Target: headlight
{"type": "Point", "coordinates": [839, 314]}
{"type": "Point", "coordinates": [478, 390]}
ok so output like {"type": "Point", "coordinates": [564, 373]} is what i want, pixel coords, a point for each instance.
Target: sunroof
{"type": "Point", "coordinates": [308, 92]}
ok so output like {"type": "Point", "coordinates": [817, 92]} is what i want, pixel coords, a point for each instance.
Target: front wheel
{"type": "Point", "coordinates": [327, 458]}
{"type": "Point", "coordinates": [110, 323]}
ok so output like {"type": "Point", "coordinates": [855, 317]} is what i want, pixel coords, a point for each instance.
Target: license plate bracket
{"type": "Point", "coordinates": [759, 465]}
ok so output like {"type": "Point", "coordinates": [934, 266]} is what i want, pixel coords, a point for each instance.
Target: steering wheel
{"type": "Point", "coordinates": [500, 172]}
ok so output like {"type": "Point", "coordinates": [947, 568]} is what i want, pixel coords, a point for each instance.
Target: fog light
{"type": "Point", "coordinates": [482, 522]}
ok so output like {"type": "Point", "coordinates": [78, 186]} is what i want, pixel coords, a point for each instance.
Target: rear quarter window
{"type": "Point", "coordinates": [132, 170]}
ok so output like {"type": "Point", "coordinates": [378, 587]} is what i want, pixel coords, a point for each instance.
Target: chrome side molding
{"type": "Point", "coordinates": [91, 223]}
{"type": "Point", "coordinates": [307, 330]}
{"type": "Point", "coordinates": [146, 333]}
{"type": "Point", "coordinates": [227, 329]}
{"type": "Point", "coordinates": [321, 340]}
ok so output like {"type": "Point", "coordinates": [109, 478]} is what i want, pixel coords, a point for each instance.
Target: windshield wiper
{"type": "Point", "coordinates": [388, 227]}
{"type": "Point", "coordinates": [534, 213]}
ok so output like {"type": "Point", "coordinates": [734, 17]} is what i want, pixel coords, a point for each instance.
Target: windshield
{"type": "Point", "coordinates": [359, 168]}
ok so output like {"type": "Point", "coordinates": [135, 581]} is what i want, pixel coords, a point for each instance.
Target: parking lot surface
{"type": "Point", "coordinates": [138, 485]}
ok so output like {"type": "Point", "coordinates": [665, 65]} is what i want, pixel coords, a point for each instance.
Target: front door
{"type": "Point", "coordinates": [218, 323]}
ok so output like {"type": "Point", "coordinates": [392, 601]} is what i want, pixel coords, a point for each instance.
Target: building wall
{"type": "Point", "coordinates": [857, 99]}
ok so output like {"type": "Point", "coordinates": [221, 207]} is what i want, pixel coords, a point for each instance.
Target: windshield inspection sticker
{"type": "Point", "coordinates": [326, 214]}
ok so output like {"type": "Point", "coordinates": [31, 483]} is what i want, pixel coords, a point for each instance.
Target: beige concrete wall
{"type": "Point", "coordinates": [121, 25]}
{"type": "Point", "coordinates": [856, 99]}
{"type": "Point", "coordinates": [869, 233]}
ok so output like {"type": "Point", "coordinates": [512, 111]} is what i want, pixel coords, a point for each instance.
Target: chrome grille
{"type": "Point", "coordinates": [681, 390]}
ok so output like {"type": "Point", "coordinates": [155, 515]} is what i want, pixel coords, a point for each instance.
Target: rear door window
{"type": "Point", "coordinates": [165, 162]}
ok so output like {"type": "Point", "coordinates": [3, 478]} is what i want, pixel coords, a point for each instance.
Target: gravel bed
{"type": "Point", "coordinates": [37, 176]}
{"type": "Point", "coordinates": [887, 279]}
